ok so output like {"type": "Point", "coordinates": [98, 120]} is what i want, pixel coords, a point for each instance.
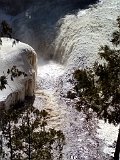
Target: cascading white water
{"type": "Point", "coordinates": [81, 34]}
{"type": "Point", "coordinates": [60, 31]}
{"type": "Point", "coordinates": [35, 22]}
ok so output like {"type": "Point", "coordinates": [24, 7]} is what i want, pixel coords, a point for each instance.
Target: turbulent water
{"type": "Point", "coordinates": [66, 35]}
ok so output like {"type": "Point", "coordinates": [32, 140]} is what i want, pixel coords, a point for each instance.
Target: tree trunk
{"type": "Point", "coordinates": [117, 148]}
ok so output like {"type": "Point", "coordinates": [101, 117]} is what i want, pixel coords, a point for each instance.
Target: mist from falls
{"type": "Point", "coordinates": [66, 34]}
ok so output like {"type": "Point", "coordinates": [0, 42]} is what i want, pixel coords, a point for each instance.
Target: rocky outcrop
{"type": "Point", "coordinates": [24, 58]}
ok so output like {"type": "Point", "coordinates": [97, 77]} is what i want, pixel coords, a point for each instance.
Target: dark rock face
{"type": "Point", "coordinates": [14, 7]}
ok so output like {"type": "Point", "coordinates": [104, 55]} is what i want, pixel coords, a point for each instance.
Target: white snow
{"type": "Point", "coordinates": [24, 58]}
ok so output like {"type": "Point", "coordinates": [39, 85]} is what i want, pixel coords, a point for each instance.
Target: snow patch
{"type": "Point", "coordinates": [24, 58]}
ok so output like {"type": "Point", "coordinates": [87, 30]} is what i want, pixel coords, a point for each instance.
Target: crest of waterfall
{"type": "Point", "coordinates": [81, 35]}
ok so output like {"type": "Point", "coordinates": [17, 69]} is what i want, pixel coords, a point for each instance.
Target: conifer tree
{"type": "Point", "coordinates": [27, 136]}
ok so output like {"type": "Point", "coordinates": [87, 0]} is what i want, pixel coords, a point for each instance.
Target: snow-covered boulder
{"type": "Point", "coordinates": [24, 58]}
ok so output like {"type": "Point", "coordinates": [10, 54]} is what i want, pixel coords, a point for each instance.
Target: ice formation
{"type": "Point", "coordinates": [24, 58]}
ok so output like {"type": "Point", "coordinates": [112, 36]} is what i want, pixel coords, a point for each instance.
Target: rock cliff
{"type": "Point", "coordinates": [24, 58]}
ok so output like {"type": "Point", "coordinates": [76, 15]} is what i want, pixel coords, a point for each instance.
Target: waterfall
{"type": "Point", "coordinates": [36, 22]}
{"type": "Point", "coordinates": [63, 30]}
{"type": "Point", "coordinates": [81, 35]}
{"type": "Point", "coordinates": [66, 34]}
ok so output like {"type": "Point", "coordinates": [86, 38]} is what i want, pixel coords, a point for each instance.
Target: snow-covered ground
{"type": "Point", "coordinates": [24, 58]}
